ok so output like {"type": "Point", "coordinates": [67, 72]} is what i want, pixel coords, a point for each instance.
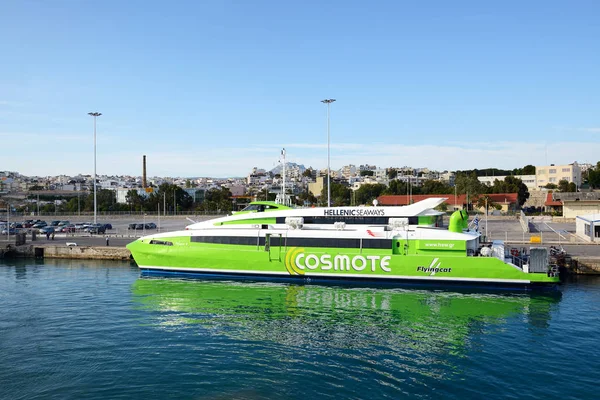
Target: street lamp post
{"type": "Point", "coordinates": [328, 102]}
{"type": "Point", "coordinates": [95, 114]}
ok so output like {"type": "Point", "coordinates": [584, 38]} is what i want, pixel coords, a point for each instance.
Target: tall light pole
{"type": "Point", "coordinates": [95, 114]}
{"type": "Point", "coordinates": [328, 102]}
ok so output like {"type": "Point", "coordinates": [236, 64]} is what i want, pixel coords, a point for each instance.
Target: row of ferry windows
{"type": "Point", "coordinates": [276, 240]}
{"type": "Point", "coordinates": [348, 220]}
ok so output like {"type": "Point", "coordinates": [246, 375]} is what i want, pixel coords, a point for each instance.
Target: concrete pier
{"type": "Point", "coordinates": [584, 265]}
{"type": "Point", "coordinates": [68, 252]}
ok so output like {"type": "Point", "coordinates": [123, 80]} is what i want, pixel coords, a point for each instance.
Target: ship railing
{"type": "Point", "coordinates": [553, 270]}
{"type": "Point", "coordinates": [519, 260]}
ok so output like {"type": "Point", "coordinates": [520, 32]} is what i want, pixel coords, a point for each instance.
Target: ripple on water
{"type": "Point", "coordinates": [95, 330]}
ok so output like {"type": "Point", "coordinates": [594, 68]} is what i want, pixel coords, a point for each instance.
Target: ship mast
{"type": "Point", "coordinates": [283, 198]}
{"type": "Point", "coordinates": [283, 183]}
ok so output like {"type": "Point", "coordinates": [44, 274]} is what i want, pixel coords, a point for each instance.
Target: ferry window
{"type": "Point", "coordinates": [161, 242]}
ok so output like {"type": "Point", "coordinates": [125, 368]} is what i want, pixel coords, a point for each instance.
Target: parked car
{"type": "Point", "coordinates": [96, 229]}
{"type": "Point", "coordinates": [108, 226]}
{"type": "Point", "coordinates": [150, 225]}
{"type": "Point", "coordinates": [66, 228]}
{"type": "Point", "coordinates": [39, 225]}
{"type": "Point", "coordinates": [63, 223]}
{"type": "Point", "coordinates": [132, 226]}
{"type": "Point", "coordinates": [54, 223]}
{"type": "Point", "coordinates": [82, 225]}
{"type": "Point", "coordinates": [47, 229]}
{"type": "Point", "coordinates": [11, 231]}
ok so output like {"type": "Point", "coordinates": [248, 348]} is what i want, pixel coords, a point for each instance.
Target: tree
{"type": "Point", "coordinates": [217, 200]}
{"type": "Point", "coordinates": [519, 187]}
{"type": "Point", "coordinates": [594, 176]}
{"type": "Point", "coordinates": [308, 173]}
{"type": "Point", "coordinates": [105, 199]}
{"type": "Point", "coordinates": [396, 187]}
{"type": "Point", "coordinates": [367, 173]}
{"type": "Point", "coordinates": [469, 184]}
{"type": "Point", "coordinates": [551, 186]}
{"type": "Point", "coordinates": [306, 198]}
{"type": "Point", "coordinates": [529, 170]}
{"type": "Point", "coordinates": [392, 173]}
{"type": "Point", "coordinates": [487, 202]}
{"type": "Point", "coordinates": [135, 201]}
{"type": "Point", "coordinates": [510, 184]}
{"type": "Point", "coordinates": [563, 185]}
{"type": "Point", "coordinates": [367, 193]}
{"type": "Point", "coordinates": [436, 187]}
{"type": "Point", "coordinates": [340, 195]}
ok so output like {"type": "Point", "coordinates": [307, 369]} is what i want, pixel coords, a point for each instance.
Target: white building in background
{"type": "Point", "coordinates": [556, 173]}
{"type": "Point", "coordinates": [380, 174]}
{"type": "Point", "coordinates": [447, 177]}
{"type": "Point", "coordinates": [529, 180]}
{"type": "Point", "coordinates": [348, 170]}
{"type": "Point", "coordinates": [121, 194]}
{"type": "Point", "coordinates": [588, 227]}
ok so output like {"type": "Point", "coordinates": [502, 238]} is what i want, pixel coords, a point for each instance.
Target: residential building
{"type": "Point", "coordinates": [367, 167]}
{"type": "Point", "coordinates": [315, 188]}
{"type": "Point", "coordinates": [556, 173]}
{"type": "Point", "coordinates": [348, 171]}
{"type": "Point", "coordinates": [447, 177]}
{"type": "Point", "coordinates": [529, 180]}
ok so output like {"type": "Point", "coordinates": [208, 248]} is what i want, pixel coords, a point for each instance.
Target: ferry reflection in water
{"type": "Point", "coordinates": [406, 322]}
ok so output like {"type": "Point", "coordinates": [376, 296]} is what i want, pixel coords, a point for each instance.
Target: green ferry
{"type": "Point", "coordinates": [359, 245]}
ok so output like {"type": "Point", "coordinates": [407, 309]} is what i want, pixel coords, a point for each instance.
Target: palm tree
{"type": "Point", "coordinates": [487, 202]}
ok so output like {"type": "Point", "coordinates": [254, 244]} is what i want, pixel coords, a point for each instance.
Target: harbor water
{"type": "Point", "coordinates": [97, 330]}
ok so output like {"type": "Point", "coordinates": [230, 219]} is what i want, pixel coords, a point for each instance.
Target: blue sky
{"type": "Point", "coordinates": [214, 88]}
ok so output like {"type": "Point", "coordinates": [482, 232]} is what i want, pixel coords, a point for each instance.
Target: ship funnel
{"type": "Point", "coordinates": [144, 172]}
{"type": "Point", "coordinates": [459, 220]}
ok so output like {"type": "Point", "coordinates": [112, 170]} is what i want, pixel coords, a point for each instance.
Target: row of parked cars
{"type": "Point", "coordinates": [43, 227]}
{"type": "Point", "coordinates": [149, 225]}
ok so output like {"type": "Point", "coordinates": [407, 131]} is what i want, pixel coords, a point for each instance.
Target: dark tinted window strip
{"type": "Point", "coordinates": [241, 240]}
{"type": "Point", "coordinates": [276, 240]}
{"type": "Point", "coordinates": [349, 220]}
{"type": "Point", "coordinates": [161, 242]}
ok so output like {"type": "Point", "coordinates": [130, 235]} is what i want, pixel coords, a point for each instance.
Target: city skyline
{"type": "Point", "coordinates": [214, 89]}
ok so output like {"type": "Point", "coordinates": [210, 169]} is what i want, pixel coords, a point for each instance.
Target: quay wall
{"type": "Point", "coordinates": [68, 252]}
{"type": "Point", "coordinates": [86, 252]}
{"type": "Point", "coordinates": [585, 265]}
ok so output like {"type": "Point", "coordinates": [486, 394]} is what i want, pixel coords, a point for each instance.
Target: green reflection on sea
{"type": "Point", "coordinates": [340, 317]}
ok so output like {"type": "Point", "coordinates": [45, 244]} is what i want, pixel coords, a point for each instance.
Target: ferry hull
{"type": "Point", "coordinates": [329, 265]}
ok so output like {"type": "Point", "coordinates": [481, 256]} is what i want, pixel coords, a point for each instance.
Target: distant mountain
{"type": "Point", "coordinates": [279, 168]}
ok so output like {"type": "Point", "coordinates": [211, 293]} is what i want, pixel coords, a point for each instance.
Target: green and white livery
{"type": "Point", "coordinates": [387, 245]}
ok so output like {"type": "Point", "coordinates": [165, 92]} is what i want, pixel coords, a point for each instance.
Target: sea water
{"type": "Point", "coordinates": [97, 330]}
